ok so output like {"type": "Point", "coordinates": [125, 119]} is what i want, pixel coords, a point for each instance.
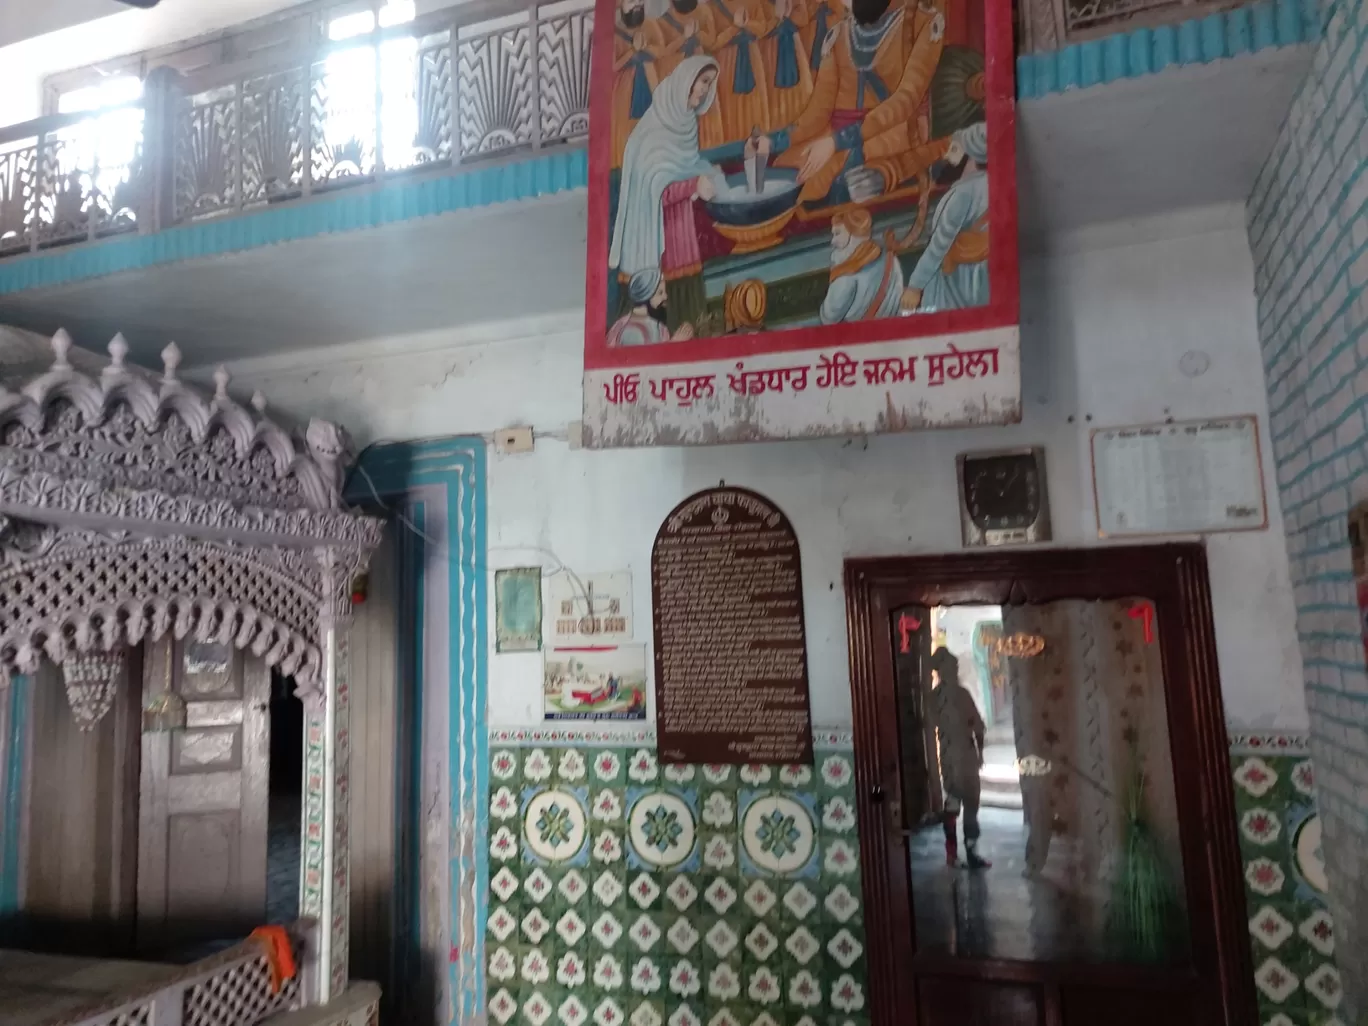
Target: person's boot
{"type": "Point", "coordinates": [951, 839]}
{"type": "Point", "coordinates": [974, 859]}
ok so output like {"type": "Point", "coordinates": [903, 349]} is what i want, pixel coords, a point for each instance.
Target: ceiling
{"type": "Point", "coordinates": [1185, 138]}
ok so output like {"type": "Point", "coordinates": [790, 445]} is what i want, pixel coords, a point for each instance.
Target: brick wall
{"type": "Point", "coordinates": [1308, 230]}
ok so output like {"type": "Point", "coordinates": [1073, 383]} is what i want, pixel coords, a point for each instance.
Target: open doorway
{"type": "Point", "coordinates": [285, 803]}
{"type": "Point", "coordinates": [1054, 832]}
{"type": "Point", "coordinates": [974, 634]}
{"type": "Point", "coordinates": [1052, 751]}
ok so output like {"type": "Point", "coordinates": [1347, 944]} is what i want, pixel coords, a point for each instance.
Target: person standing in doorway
{"type": "Point", "coordinates": [960, 733]}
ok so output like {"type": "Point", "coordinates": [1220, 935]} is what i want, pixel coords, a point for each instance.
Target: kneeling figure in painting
{"type": "Point", "coordinates": [865, 281]}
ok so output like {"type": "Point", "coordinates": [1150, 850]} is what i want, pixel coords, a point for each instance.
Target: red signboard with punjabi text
{"type": "Point", "coordinates": [802, 219]}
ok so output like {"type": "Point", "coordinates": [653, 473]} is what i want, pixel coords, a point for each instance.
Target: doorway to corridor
{"type": "Point", "coordinates": [1023, 723]}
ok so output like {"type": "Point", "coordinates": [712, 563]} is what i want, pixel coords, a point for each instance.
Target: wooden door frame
{"type": "Point", "coordinates": [1174, 577]}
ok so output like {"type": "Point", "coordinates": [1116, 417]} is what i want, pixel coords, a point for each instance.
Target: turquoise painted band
{"type": "Point", "coordinates": [1266, 25]}
{"type": "Point", "coordinates": [391, 201]}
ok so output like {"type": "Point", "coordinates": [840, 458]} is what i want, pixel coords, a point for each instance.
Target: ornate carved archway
{"type": "Point", "coordinates": [133, 508]}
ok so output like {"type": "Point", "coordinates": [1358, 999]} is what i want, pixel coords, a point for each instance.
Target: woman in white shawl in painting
{"type": "Point", "coordinates": [662, 174]}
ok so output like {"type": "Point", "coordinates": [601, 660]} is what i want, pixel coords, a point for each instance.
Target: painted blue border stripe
{"type": "Point", "coordinates": [1266, 25]}
{"type": "Point", "coordinates": [343, 211]}
{"type": "Point", "coordinates": [14, 794]}
{"type": "Point", "coordinates": [407, 950]}
{"type": "Point", "coordinates": [459, 466]}
{"type": "Point", "coordinates": [417, 560]}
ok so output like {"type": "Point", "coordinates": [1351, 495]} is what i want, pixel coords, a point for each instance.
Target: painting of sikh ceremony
{"type": "Point", "coordinates": [794, 163]}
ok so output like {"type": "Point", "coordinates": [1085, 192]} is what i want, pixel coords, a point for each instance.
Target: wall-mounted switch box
{"type": "Point", "coordinates": [513, 440]}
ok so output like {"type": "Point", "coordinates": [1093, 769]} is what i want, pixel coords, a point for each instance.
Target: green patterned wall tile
{"type": "Point", "coordinates": [1291, 933]}
{"type": "Point", "coordinates": [624, 893]}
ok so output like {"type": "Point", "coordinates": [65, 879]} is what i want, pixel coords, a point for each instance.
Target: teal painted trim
{"type": "Point", "coordinates": [399, 199]}
{"type": "Point", "coordinates": [459, 466]}
{"type": "Point", "coordinates": [14, 795]}
{"type": "Point", "coordinates": [1265, 25]}
{"type": "Point", "coordinates": [410, 559]}
{"type": "Point", "coordinates": [416, 559]}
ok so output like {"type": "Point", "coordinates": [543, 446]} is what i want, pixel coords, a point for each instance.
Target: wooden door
{"type": "Point", "coordinates": [204, 797]}
{"type": "Point", "coordinates": [82, 820]}
{"type": "Point", "coordinates": [1115, 893]}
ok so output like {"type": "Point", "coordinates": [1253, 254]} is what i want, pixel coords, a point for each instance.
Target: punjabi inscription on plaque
{"type": "Point", "coordinates": [730, 651]}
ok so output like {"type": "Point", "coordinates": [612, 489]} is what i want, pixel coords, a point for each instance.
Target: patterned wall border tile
{"type": "Point", "coordinates": [1247, 742]}
{"type": "Point", "coordinates": [1292, 933]}
{"type": "Point", "coordinates": [822, 737]}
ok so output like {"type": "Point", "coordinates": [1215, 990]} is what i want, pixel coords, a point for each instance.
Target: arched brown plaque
{"type": "Point", "coordinates": [731, 675]}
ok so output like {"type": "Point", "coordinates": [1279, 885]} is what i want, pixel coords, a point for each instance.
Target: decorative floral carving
{"type": "Point", "coordinates": [92, 683]}
{"type": "Point", "coordinates": [43, 493]}
{"type": "Point", "coordinates": [121, 431]}
{"type": "Point", "coordinates": [90, 593]}
{"type": "Point", "coordinates": [132, 508]}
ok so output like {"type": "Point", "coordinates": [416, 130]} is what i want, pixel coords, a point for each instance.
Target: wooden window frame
{"type": "Point", "coordinates": [1174, 577]}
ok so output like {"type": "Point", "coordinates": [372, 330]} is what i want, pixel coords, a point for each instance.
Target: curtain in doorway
{"type": "Point", "coordinates": [1089, 716]}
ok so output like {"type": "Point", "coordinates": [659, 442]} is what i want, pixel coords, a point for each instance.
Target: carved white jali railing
{"type": "Point", "coordinates": [133, 508]}
{"type": "Point", "coordinates": [71, 178]}
{"type": "Point", "coordinates": [233, 988]}
{"type": "Point", "coordinates": [474, 81]}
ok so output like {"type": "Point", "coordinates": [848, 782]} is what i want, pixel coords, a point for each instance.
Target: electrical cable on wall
{"type": "Point", "coordinates": [560, 567]}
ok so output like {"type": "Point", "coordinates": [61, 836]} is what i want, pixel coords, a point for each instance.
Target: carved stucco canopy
{"type": "Point", "coordinates": [133, 506]}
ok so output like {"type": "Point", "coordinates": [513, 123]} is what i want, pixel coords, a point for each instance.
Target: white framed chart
{"type": "Point", "coordinates": [1188, 477]}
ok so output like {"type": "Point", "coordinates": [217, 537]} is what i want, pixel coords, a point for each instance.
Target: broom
{"type": "Point", "coordinates": [1144, 908]}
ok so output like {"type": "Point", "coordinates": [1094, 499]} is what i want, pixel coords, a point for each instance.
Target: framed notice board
{"type": "Point", "coordinates": [1188, 477]}
{"type": "Point", "coordinates": [731, 670]}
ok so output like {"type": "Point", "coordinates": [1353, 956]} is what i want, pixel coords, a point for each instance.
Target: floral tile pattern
{"type": "Point", "coordinates": [624, 893]}
{"type": "Point", "coordinates": [1291, 932]}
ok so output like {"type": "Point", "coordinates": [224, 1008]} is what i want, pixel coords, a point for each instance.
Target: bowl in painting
{"type": "Point", "coordinates": [737, 205]}
{"type": "Point", "coordinates": [755, 221]}
{"type": "Point", "coordinates": [752, 238]}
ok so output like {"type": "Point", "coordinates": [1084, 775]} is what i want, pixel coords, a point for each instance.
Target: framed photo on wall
{"type": "Point", "coordinates": [802, 219]}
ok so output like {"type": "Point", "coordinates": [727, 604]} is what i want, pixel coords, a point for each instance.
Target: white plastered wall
{"type": "Point", "coordinates": [1104, 326]}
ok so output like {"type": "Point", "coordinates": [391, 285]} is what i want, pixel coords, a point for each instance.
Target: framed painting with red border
{"type": "Point", "coordinates": [802, 219]}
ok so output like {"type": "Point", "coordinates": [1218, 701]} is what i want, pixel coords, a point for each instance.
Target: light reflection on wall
{"type": "Point", "coordinates": [105, 148]}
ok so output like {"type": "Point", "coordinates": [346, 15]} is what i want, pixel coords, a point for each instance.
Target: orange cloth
{"type": "Point", "coordinates": [905, 62]}
{"type": "Point", "coordinates": [279, 954]}
{"type": "Point", "coordinates": [865, 254]}
{"type": "Point", "coordinates": [970, 247]}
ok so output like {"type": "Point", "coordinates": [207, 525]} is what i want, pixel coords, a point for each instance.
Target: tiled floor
{"type": "Point", "coordinates": [992, 913]}
{"type": "Point", "coordinates": [999, 912]}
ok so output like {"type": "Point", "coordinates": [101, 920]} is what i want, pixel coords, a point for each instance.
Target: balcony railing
{"type": "Point", "coordinates": [1054, 24]}
{"type": "Point", "coordinates": [70, 178]}
{"type": "Point", "coordinates": [467, 84]}
{"type": "Point", "coordinates": [478, 81]}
